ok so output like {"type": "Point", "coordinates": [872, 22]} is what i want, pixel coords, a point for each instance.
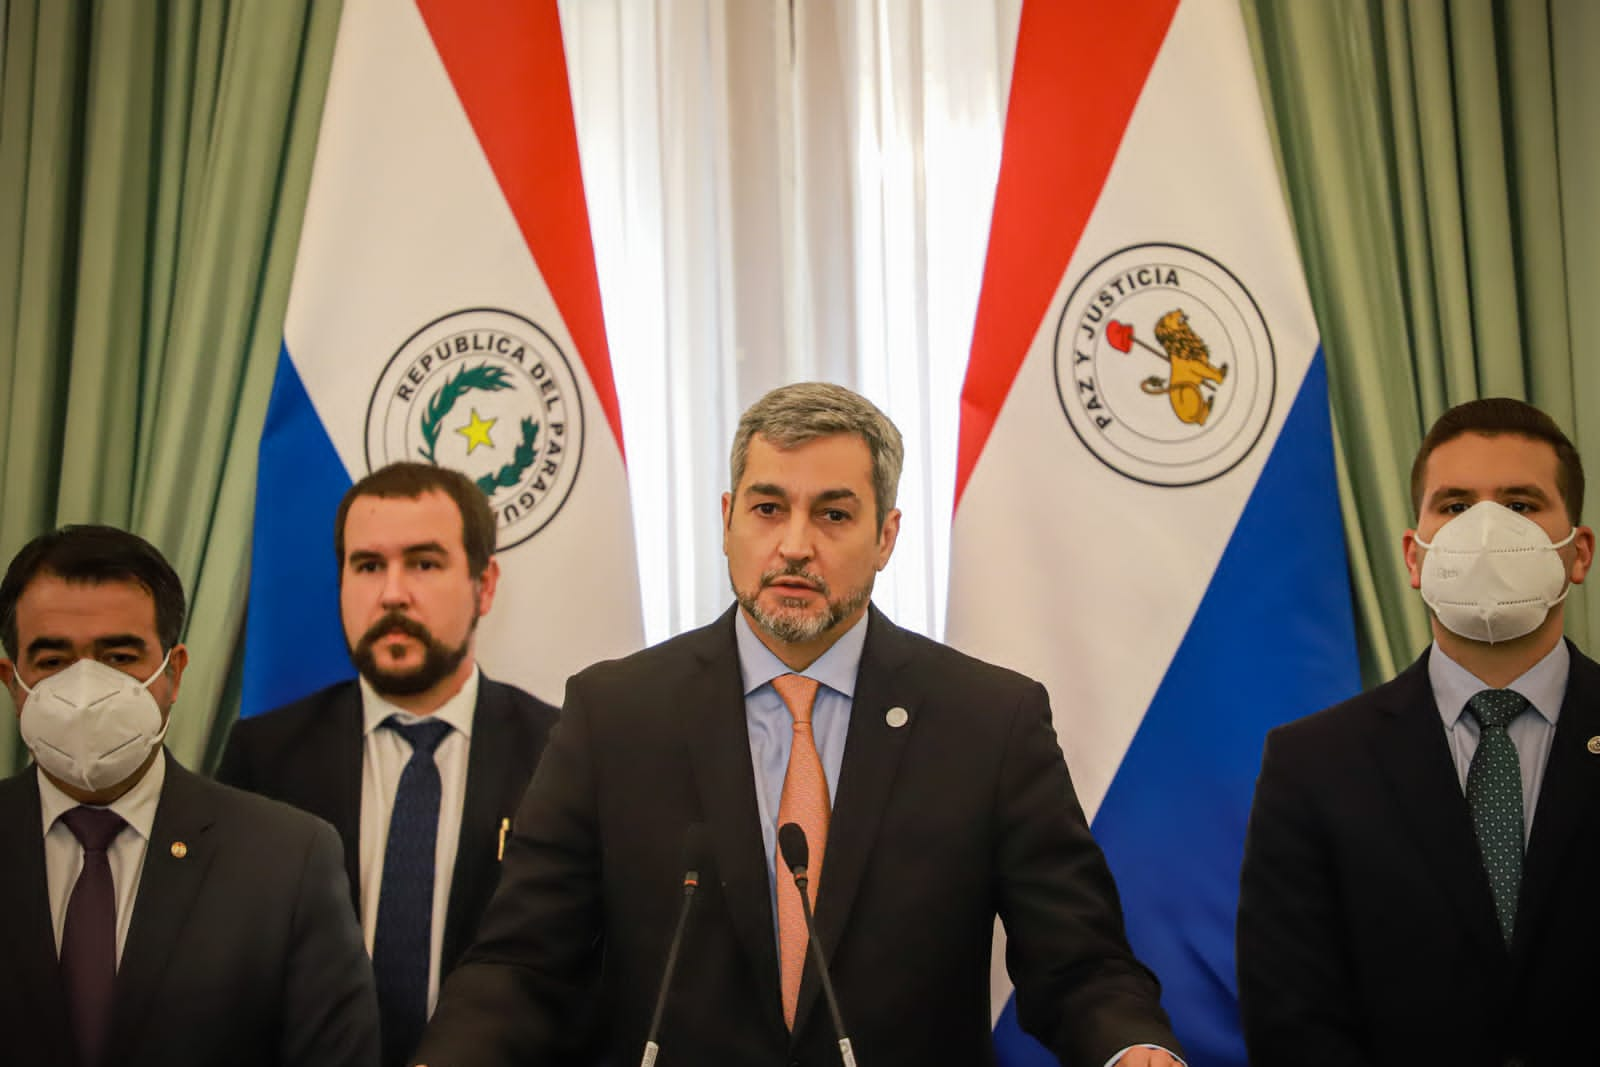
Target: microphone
{"type": "Point", "coordinates": [694, 852]}
{"type": "Point", "coordinates": [796, 855]}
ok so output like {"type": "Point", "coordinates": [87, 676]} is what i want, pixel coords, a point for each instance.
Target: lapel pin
{"type": "Point", "coordinates": [505, 828]}
{"type": "Point", "coordinates": [179, 850]}
{"type": "Point", "coordinates": [1594, 744]}
{"type": "Point", "coordinates": [897, 717]}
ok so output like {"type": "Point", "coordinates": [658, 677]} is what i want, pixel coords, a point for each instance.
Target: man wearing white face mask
{"type": "Point", "coordinates": [148, 915]}
{"type": "Point", "coordinates": [1420, 875]}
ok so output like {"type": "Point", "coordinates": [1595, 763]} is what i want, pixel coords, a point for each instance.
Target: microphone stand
{"type": "Point", "coordinates": [693, 845]}
{"type": "Point", "coordinates": [796, 853]}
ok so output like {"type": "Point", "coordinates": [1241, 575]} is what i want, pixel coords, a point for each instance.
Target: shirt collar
{"type": "Point", "coordinates": [1544, 685]}
{"type": "Point", "coordinates": [457, 711]}
{"type": "Point", "coordinates": [137, 806]}
{"type": "Point", "coordinates": [835, 668]}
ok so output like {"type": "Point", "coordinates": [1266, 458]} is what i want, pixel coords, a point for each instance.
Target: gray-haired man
{"type": "Point", "coordinates": [930, 786]}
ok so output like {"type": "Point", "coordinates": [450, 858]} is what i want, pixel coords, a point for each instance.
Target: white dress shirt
{"type": "Point", "coordinates": [63, 856]}
{"type": "Point", "coordinates": [384, 755]}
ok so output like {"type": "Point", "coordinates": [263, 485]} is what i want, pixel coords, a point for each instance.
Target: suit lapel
{"type": "Point", "coordinates": [1414, 755]}
{"type": "Point", "coordinates": [866, 779]}
{"type": "Point", "coordinates": [27, 933]}
{"type": "Point", "coordinates": [719, 752]}
{"type": "Point", "coordinates": [1568, 798]}
{"type": "Point", "coordinates": [489, 763]}
{"type": "Point", "coordinates": [168, 886]}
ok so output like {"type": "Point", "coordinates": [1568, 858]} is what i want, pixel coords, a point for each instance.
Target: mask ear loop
{"type": "Point", "coordinates": [166, 720]}
{"type": "Point", "coordinates": [148, 682]}
{"type": "Point", "coordinates": [1563, 543]}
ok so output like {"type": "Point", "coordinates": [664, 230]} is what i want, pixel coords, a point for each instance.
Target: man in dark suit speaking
{"type": "Point", "coordinates": [420, 763]}
{"type": "Point", "coordinates": [147, 916]}
{"type": "Point", "coordinates": [1420, 870]}
{"type": "Point", "coordinates": [930, 787]}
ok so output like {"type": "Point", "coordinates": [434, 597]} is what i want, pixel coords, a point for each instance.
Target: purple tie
{"type": "Point", "coordinates": [89, 936]}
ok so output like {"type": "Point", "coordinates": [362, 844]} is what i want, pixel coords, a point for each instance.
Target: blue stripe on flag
{"type": "Point", "coordinates": [1273, 639]}
{"type": "Point", "coordinates": [294, 642]}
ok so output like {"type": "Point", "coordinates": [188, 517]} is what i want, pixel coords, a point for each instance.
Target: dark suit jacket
{"type": "Point", "coordinates": [242, 952]}
{"type": "Point", "coordinates": [1367, 933]}
{"type": "Point", "coordinates": [309, 754]}
{"type": "Point", "coordinates": [938, 825]}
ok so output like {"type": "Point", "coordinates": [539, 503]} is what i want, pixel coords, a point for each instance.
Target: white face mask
{"type": "Point", "coordinates": [1493, 575]}
{"type": "Point", "coordinates": [91, 725]}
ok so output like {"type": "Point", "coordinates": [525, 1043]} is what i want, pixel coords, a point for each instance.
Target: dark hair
{"type": "Point", "coordinates": [1495, 415]}
{"type": "Point", "coordinates": [412, 480]}
{"type": "Point", "coordinates": [792, 415]}
{"type": "Point", "coordinates": [94, 554]}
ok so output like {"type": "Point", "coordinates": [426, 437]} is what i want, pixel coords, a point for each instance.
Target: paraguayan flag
{"type": "Point", "coordinates": [1146, 516]}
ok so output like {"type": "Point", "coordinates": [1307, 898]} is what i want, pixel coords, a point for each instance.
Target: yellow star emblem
{"type": "Point", "coordinates": [477, 432]}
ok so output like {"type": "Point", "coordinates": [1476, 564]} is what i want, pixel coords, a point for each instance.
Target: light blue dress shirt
{"type": "Point", "coordinates": [1544, 685]}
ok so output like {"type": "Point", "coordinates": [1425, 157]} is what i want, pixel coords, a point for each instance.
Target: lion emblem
{"type": "Point", "coordinates": [1188, 362]}
{"type": "Point", "coordinates": [1189, 368]}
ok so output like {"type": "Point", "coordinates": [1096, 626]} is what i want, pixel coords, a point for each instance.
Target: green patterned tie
{"type": "Point", "coordinates": [1494, 794]}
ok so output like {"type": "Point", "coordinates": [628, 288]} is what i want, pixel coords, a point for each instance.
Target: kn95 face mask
{"type": "Point", "coordinates": [90, 725]}
{"type": "Point", "coordinates": [1491, 574]}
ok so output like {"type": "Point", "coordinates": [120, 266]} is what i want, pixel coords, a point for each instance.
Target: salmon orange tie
{"type": "Point", "coordinates": [804, 801]}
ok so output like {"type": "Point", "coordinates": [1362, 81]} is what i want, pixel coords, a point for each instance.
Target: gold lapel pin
{"type": "Point", "coordinates": [505, 828]}
{"type": "Point", "coordinates": [179, 850]}
{"type": "Point", "coordinates": [1594, 744]}
{"type": "Point", "coordinates": [897, 717]}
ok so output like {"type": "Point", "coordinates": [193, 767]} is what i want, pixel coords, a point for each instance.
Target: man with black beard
{"type": "Point", "coordinates": [421, 761]}
{"type": "Point", "coordinates": [930, 787]}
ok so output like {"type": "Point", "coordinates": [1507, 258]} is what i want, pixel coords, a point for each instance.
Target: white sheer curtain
{"type": "Point", "coordinates": [782, 191]}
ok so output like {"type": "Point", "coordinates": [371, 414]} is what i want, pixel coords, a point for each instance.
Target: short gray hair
{"type": "Point", "coordinates": [792, 415]}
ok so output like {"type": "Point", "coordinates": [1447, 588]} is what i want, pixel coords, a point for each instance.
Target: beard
{"type": "Point", "coordinates": [795, 622]}
{"type": "Point", "coordinates": [439, 660]}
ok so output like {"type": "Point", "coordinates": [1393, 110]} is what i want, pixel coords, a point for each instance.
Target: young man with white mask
{"type": "Point", "coordinates": [146, 914]}
{"type": "Point", "coordinates": [1419, 874]}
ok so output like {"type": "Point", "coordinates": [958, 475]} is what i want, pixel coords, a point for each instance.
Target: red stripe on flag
{"type": "Point", "coordinates": [1080, 67]}
{"type": "Point", "coordinates": [505, 59]}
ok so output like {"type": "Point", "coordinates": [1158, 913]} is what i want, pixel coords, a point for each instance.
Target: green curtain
{"type": "Point", "coordinates": [154, 160]}
{"type": "Point", "coordinates": [1444, 177]}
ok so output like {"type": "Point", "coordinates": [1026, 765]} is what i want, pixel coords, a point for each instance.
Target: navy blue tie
{"type": "Point", "coordinates": [400, 946]}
